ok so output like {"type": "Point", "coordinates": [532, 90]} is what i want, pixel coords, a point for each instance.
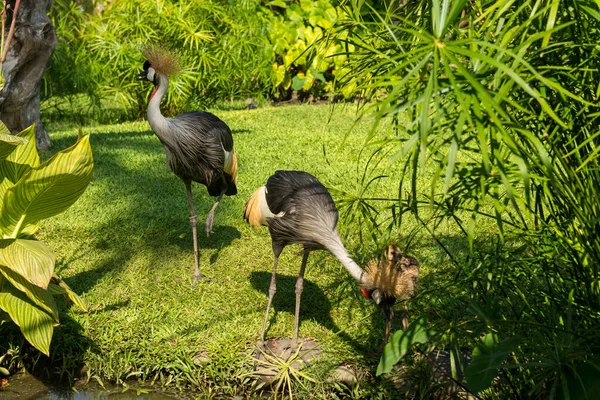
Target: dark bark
{"type": "Point", "coordinates": [28, 55]}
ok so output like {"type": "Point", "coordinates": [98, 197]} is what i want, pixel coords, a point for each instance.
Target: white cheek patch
{"type": "Point", "coordinates": [150, 74]}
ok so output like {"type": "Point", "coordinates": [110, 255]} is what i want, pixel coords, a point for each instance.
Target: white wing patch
{"type": "Point", "coordinates": [265, 212]}
{"type": "Point", "coordinates": [228, 159]}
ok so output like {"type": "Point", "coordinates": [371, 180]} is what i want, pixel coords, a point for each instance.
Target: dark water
{"type": "Point", "coordinates": [25, 386]}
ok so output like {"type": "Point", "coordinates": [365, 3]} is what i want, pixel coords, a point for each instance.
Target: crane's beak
{"type": "Point", "coordinates": [385, 304]}
{"type": "Point", "coordinates": [142, 75]}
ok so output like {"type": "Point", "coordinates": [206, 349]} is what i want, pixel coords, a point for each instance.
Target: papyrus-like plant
{"type": "Point", "coordinates": [494, 106]}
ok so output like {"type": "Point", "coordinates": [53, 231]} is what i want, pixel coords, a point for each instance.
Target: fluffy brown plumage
{"type": "Point", "coordinates": [396, 275]}
{"type": "Point", "coordinates": [231, 169]}
{"type": "Point", "coordinates": [162, 59]}
{"type": "Point", "coordinates": [253, 208]}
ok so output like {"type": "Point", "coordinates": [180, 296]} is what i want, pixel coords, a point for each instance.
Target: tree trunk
{"type": "Point", "coordinates": [28, 55]}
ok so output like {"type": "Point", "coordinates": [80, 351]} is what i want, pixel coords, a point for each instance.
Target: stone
{"type": "Point", "coordinates": [344, 374]}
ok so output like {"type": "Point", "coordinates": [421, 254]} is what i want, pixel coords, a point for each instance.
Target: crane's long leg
{"type": "Point", "coordinates": [405, 317]}
{"type": "Point", "coordinates": [211, 214]}
{"type": "Point", "coordinates": [277, 249]}
{"type": "Point", "coordinates": [299, 286]}
{"type": "Point", "coordinates": [193, 222]}
{"type": "Point", "coordinates": [389, 315]}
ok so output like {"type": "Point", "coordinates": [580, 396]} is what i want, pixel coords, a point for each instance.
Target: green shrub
{"type": "Point", "coordinates": [229, 51]}
{"type": "Point", "coordinates": [304, 49]}
{"type": "Point", "coordinates": [31, 191]}
{"type": "Point", "coordinates": [222, 48]}
{"type": "Point", "coordinates": [501, 119]}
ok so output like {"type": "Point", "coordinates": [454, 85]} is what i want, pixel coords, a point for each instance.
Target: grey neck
{"type": "Point", "coordinates": [339, 251]}
{"type": "Point", "coordinates": [158, 123]}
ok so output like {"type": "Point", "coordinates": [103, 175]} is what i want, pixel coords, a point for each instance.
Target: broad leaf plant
{"type": "Point", "coordinates": [29, 192]}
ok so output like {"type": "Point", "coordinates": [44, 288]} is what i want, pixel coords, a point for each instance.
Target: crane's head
{"type": "Point", "coordinates": [148, 73]}
{"type": "Point", "coordinates": [394, 277]}
{"type": "Point", "coordinates": [159, 61]}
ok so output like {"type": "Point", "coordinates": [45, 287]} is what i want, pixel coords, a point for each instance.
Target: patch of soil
{"type": "Point", "coordinates": [23, 386]}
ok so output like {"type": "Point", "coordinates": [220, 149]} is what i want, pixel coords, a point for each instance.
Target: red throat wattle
{"type": "Point", "coordinates": [153, 92]}
{"type": "Point", "coordinates": [366, 293]}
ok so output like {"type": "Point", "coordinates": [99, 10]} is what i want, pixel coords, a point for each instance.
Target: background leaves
{"type": "Point", "coordinates": [493, 114]}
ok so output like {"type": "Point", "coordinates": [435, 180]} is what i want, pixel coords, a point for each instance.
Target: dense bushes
{"type": "Point", "coordinates": [308, 57]}
{"type": "Point", "coordinates": [221, 45]}
{"type": "Point", "coordinates": [495, 104]}
{"type": "Point", "coordinates": [229, 50]}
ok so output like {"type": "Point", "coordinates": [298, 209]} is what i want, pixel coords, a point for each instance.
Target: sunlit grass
{"type": "Point", "coordinates": [126, 247]}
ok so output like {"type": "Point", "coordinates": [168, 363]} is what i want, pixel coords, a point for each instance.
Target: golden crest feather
{"type": "Point", "coordinates": [396, 275]}
{"type": "Point", "coordinates": [162, 60]}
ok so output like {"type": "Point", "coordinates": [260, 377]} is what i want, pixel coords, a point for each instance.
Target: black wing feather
{"type": "Point", "coordinates": [201, 137]}
{"type": "Point", "coordinates": [310, 214]}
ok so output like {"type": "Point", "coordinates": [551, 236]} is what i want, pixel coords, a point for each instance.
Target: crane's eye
{"type": "Point", "coordinates": [146, 65]}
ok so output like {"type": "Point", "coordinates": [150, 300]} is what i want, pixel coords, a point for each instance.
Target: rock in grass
{"type": "Point", "coordinates": [271, 357]}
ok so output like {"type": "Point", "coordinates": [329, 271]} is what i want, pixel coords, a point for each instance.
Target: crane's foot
{"type": "Point", "coordinates": [210, 218]}
{"type": "Point", "coordinates": [199, 277]}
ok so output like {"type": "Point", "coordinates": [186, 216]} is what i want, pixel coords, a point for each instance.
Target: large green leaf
{"type": "Point", "coordinates": [4, 129]}
{"type": "Point", "coordinates": [31, 259]}
{"type": "Point", "coordinates": [298, 83]}
{"type": "Point", "coordinates": [401, 341]}
{"type": "Point", "coordinates": [36, 325]}
{"type": "Point", "coordinates": [8, 143]}
{"type": "Point", "coordinates": [48, 189]}
{"type": "Point", "coordinates": [488, 357]}
{"type": "Point", "coordinates": [20, 159]}
{"type": "Point", "coordinates": [59, 287]}
{"type": "Point", "coordinates": [42, 297]}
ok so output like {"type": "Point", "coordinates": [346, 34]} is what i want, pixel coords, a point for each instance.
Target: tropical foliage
{"type": "Point", "coordinates": [229, 51]}
{"type": "Point", "coordinates": [222, 47]}
{"type": "Point", "coordinates": [301, 64]}
{"type": "Point", "coordinates": [500, 100]}
{"type": "Point", "coordinates": [497, 100]}
{"type": "Point", "coordinates": [31, 191]}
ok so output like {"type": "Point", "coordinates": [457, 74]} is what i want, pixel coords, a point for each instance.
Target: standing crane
{"type": "Point", "coordinates": [198, 145]}
{"type": "Point", "coordinates": [298, 209]}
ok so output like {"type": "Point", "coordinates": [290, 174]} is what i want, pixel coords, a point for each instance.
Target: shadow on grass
{"type": "Point", "coordinates": [68, 349]}
{"type": "Point", "coordinates": [153, 215]}
{"type": "Point", "coordinates": [314, 303]}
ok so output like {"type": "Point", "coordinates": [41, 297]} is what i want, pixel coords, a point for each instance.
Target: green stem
{"type": "Point", "coordinates": [3, 22]}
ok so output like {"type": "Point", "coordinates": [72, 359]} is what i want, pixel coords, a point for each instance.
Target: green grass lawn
{"type": "Point", "coordinates": [126, 247]}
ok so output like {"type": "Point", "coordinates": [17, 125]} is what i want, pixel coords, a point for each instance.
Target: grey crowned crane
{"type": "Point", "coordinates": [198, 145]}
{"type": "Point", "coordinates": [298, 209]}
